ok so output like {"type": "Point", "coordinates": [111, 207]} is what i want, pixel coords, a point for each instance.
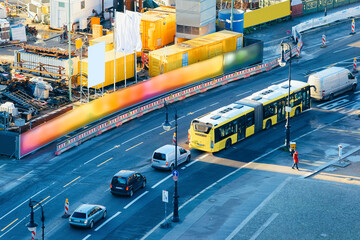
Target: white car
{"type": "Point", "coordinates": [164, 157]}
{"type": "Point", "coordinates": [87, 215]}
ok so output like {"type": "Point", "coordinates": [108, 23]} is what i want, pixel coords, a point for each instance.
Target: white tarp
{"type": "Point", "coordinates": [18, 33]}
{"type": "Point", "coordinates": [96, 64]}
{"type": "Point", "coordinates": [2, 11]}
{"type": "Point", "coordinates": [128, 36]}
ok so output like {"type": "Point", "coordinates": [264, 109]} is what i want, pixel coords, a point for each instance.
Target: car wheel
{"type": "Point", "coordinates": [104, 214]}
{"type": "Point", "coordinates": [331, 97]}
{"type": "Point", "coordinates": [188, 159]}
{"type": "Point", "coordinates": [143, 184]}
{"type": "Point", "coordinates": [297, 111]}
{"type": "Point", "coordinates": [172, 167]}
{"type": "Point", "coordinates": [353, 88]}
{"type": "Point", "coordinates": [228, 143]}
{"type": "Point", "coordinates": [131, 193]}
{"type": "Point", "coordinates": [268, 124]}
{"type": "Point", "coordinates": [91, 224]}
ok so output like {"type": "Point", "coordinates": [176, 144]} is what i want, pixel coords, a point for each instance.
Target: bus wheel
{"type": "Point", "coordinates": [297, 111]}
{"type": "Point", "coordinates": [268, 124]}
{"type": "Point", "coordinates": [228, 143]}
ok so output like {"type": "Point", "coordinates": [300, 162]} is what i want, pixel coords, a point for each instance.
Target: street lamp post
{"type": "Point", "coordinates": [282, 63]}
{"type": "Point", "coordinates": [167, 127]}
{"type": "Point", "coordinates": [32, 225]}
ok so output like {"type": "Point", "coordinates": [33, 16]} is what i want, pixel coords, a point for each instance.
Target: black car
{"type": "Point", "coordinates": [126, 182]}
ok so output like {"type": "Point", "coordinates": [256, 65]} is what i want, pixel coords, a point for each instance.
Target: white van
{"type": "Point", "coordinates": [164, 157]}
{"type": "Point", "coordinates": [331, 82]}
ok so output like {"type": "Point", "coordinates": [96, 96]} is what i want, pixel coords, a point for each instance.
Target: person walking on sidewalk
{"type": "Point", "coordinates": [296, 160]}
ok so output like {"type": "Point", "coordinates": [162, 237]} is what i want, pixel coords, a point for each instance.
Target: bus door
{"type": "Point", "coordinates": [281, 110]}
{"type": "Point", "coordinates": [306, 98]}
{"type": "Point", "coordinates": [241, 129]}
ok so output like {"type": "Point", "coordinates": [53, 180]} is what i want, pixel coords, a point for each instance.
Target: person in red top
{"type": "Point", "coordinates": [296, 160]}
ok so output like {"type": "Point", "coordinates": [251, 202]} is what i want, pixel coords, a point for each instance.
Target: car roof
{"type": "Point", "coordinates": [84, 208]}
{"type": "Point", "coordinates": [167, 149]}
{"type": "Point", "coordinates": [124, 173]}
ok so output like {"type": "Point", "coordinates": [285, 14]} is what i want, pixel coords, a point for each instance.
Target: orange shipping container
{"type": "Point", "coordinates": [109, 68]}
{"type": "Point", "coordinates": [192, 51]}
{"type": "Point", "coordinates": [157, 29]}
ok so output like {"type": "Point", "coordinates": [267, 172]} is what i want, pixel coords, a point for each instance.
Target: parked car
{"type": "Point", "coordinates": [87, 215]}
{"type": "Point", "coordinates": [126, 182]}
{"type": "Point", "coordinates": [164, 157]}
{"type": "Point", "coordinates": [331, 82]}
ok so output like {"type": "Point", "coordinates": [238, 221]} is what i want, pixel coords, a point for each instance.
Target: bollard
{"type": "Point", "coordinates": [174, 138]}
{"type": "Point", "coordinates": [298, 50]}
{"type": "Point", "coordinates": [355, 66]}
{"type": "Point", "coordinates": [352, 27]}
{"type": "Point", "coordinates": [66, 215]}
{"type": "Point", "coordinates": [33, 233]}
{"type": "Point", "coordinates": [323, 41]}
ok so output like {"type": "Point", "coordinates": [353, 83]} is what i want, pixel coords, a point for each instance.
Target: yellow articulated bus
{"type": "Point", "coordinates": [225, 126]}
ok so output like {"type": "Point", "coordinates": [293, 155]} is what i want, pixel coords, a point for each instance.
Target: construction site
{"type": "Point", "coordinates": [45, 61]}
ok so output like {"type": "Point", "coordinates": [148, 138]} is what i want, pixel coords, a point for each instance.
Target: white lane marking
{"type": "Point", "coordinates": [25, 175]}
{"type": "Point", "coordinates": [13, 226]}
{"type": "Point", "coordinates": [52, 159]}
{"type": "Point", "coordinates": [199, 110]}
{"type": "Point", "coordinates": [256, 210]}
{"type": "Point", "coordinates": [279, 81]}
{"type": "Point", "coordinates": [89, 235]}
{"type": "Point", "coordinates": [338, 108]}
{"type": "Point", "coordinates": [341, 38]}
{"type": "Point", "coordinates": [354, 93]}
{"type": "Point", "coordinates": [101, 154]}
{"type": "Point", "coordinates": [337, 99]}
{"type": "Point", "coordinates": [26, 201]}
{"type": "Point", "coordinates": [142, 134]}
{"type": "Point", "coordinates": [133, 201]}
{"type": "Point", "coordinates": [265, 225]}
{"type": "Point", "coordinates": [204, 156]}
{"type": "Point", "coordinates": [276, 40]}
{"type": "Point", "coordinates": [161, 181]}
{"type": "Point", "coordinates": [103, 224]}
{"type": "Point", "coordinates": [342, 49]}
{"type": "Point", "coordinates": [183, 168]}
{"type": "Point", "coordinates": [243, 93]}
{"type": "Point", "coordinates": [180, 117]}
{"type": "Point", "coordinates": [189, 164]}
{"type": "Point", "coordinates": [335, 104]}
{"type": "Point", "coordinates": [3, 165]}
{"type": "Point", "coordinates": [214, 104]}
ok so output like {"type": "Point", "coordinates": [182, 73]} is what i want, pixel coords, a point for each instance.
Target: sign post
{"type": "Point", "coordinates": [165, 199]}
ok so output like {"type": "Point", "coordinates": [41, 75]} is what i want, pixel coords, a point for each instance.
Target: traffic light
{"type": "Point", "coordinates": [119, 5]}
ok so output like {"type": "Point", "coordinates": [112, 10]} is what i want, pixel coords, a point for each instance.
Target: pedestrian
{"type": "Point", "coordinates": [296, 160]}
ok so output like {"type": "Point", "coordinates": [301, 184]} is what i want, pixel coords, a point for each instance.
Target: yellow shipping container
{"type": "Point", "coordinates": [157, 29]}
{"type": "Point", "coordinates": [192, 51]}
{"type": "Point", "coordinates": [108, 39]}
{"type": "Point", "coordinates": [109, 67]}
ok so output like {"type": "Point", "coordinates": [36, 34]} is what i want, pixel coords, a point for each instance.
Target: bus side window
{"type": "Point", "coordinates": [249, 119]}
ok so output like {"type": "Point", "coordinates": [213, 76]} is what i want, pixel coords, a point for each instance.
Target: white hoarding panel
{"type": "Point", "coordinates": [96, 64]}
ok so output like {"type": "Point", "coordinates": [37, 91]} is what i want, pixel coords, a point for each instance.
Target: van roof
{"type": "Point", "coordinates": [166, 149]}
{"type": "Point", "coordinates": [328, 71]}
{"type": "Point", "coordinates": [124, 173]}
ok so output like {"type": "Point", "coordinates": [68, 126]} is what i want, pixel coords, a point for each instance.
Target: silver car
{"type": "Point", "coordinates": [87, 215]}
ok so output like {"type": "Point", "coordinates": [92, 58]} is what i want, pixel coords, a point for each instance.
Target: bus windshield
{"type": "Point", "coordinates": [202, 127]}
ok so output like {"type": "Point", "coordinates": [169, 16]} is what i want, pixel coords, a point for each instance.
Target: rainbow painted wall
{"type": "Point", "coordinates": [111, 103]}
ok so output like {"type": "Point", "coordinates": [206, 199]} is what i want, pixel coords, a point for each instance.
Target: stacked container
{"type": "Point", "coordinates": [109, 68]}
{"type": "Point", "coordinates": [108, 39]}
{"type": "Point", "coordinates": [157, 28]}
{"type": "Point", "coordinates": [193, 51]}
{"type": "Point", "coordinates": [4, 31]}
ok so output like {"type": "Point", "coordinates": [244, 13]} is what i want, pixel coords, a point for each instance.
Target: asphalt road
{"type": "Point", "coordinates": [83, 174]}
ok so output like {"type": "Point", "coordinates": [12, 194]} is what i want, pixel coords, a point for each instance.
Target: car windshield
{"type": "Point", "coordinates": [79, 215]}
{"type": "Point", "coordinates": [119, 180]}
{"type": "Point", "coordinates": [159, 156]}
